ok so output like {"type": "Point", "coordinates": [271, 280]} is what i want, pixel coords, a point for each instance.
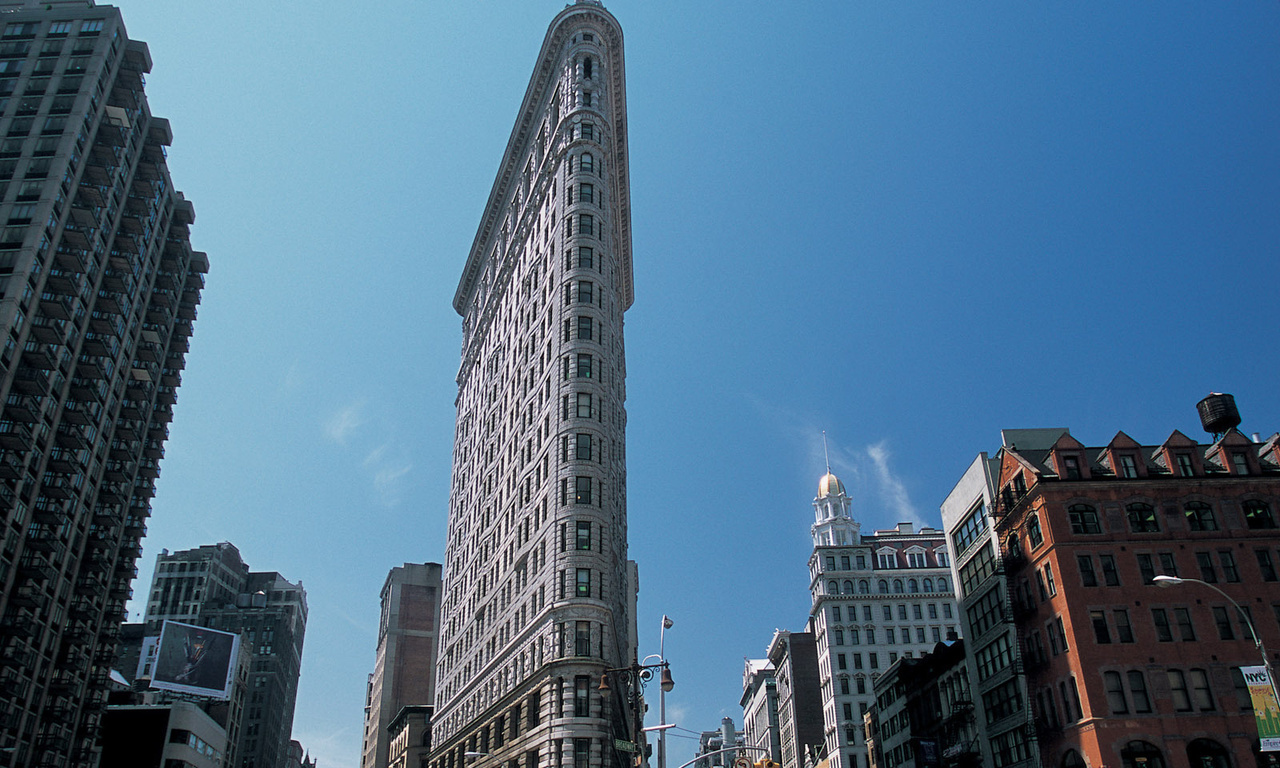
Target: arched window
{"type": "Point", "coordinates": [913, 585]}
{"type": "Point", "coordinates": [1200, 516]}
{"type": "Point", "coordinates": [942, 585]}
{"type": "Point", "coordinates": [587, 163]}
{"type": "Point", "coordinates": [1142, 518]}
{"type": "Point", "coordinates": [1258, 515]}
{"type": "Point", "coordinates": [897, 585]}
{"type": "Point", "coordinates": [1141, 754]}
{"type": "Point", "coordinates": [928, 585]}
{"type": "Point", "coordinates": [1084, 519]}
{"type": "Point", "coordinates": [882, 586]}
{"type": "Point", "coordinates": [848, 587]}
{"type": "Point", "coordinates": [833, 588]}
{"type": "Point", "coordinates": [1207, 753]}
{"type": "Point", "coordinates": [864, 587]}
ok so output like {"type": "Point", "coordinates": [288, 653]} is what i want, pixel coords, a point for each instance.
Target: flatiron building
{"type": "Point", "coordinates": [98, 291]}
{"type": "Point", "coordinates": [538, 594]}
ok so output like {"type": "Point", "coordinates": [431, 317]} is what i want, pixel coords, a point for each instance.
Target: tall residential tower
{"type": "Point", "coordinates": [98, 291]}
{"type": "Point", "coordinates": [539, 596]}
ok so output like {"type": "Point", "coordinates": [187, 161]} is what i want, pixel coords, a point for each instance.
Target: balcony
{"type": "Point", "coordinates": [40, 357]}
{"type": "Point", "coordinates": [24, 408]}
{"type": "Point", "coordinates": [14, 435]}
{"type": "Point", "coordinates": [30, 381]}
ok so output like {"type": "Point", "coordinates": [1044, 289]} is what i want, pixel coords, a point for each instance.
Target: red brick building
{"type": "Point", "coordinates": [1121, 672]}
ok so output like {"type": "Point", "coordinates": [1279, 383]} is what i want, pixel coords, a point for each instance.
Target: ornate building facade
{"type": "Point", "coordinates": [539, 597]}
{"type": "Point", "coordinates": [875, 599]}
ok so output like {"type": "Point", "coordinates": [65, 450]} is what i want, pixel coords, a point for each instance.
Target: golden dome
{"type": "Point", "coordinates": [830, 485]}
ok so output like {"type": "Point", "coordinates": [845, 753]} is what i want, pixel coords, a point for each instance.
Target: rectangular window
{"type": "Point", "coordinates": [586, 258]}
{"type": "Point", "coordinates": [857, 661]}
{"type": "Point", "coordinates": [586, 292]}
{"type": "Point", "coordinates": [1185, 467]}
{"type": "Point", "coordinates": [582, 447]}
{"type": "Point", "coordinates": [1060, 629]}
{"type": "Point", "coordinates": [1168, 566]}
{"type": "Point", "coordinates": [586, 328]}
{"type": "Point", "coordinates": [1201, 693]}
{"type": "Point", "coordinates": [582, 490]}
{"type": "Point", "coordinates": [891, 635]}
{"type": "Point", "coordinates": [1128, 467]}
{"type": "Point", "coordinates": [1138, 689]}
{"type": "Point", "coordinates": [584, 582]}
{"type": "Point", "coordinates": [1178, 687]}
{"type": "Point", "coordinates": [582, 697]}
{"type": "Point", "coordinates": [586, 194]}
{"type": "Point", "coordinates": [584, 405]}
{"type": "Point", "coordinates": [841, 662]}
{"type": "Point", "coordinates": [1222, 619]}
{"type": "Point", "coordinates": [1115, 693]}
{"type": "Point", "coordinates": [1186, 629]}
{"type": "Point", "coordinates": [1034, 534]}
{"type": "Point", "coordinates": [583, 538]}
{"type": "Point", "coordinates": [1148, 568]}
{"type": "Point", "coordinates": [588, 130]}
{"type": "Point", "coordinates": [1164, 633]}
{"type": "Point", "coordinates": [1229, 570]}
{"type": "Point", "coordinates": [970, 528]}
{"type": "Point", "coordinates": [582, 640]}
{"type": "Point", "coordinates": [1002, 701]}
{"type": "Point", "coordinates": [933, 610]}
{"type": "Point", "coordinates": [1084, 519]}
{"type": "Point", "coordinates": [586, 224]}
{"type": "Point", "coordinates": [584, 366]}
{"type": "Point", "coordinates": [1207, 571]}
{"type": "Point", "coordinates": [1101, 633]}
{"type": "Point", "coordinates": [1088, 576]}
{"type": "Point", "coordinates": [1265, 565]}
{"type": "Point", "coordinates": [875, 660]}
{"type": "Point", "coordinates": [835, 613]}
{"type": "Point", "coordinates": [1048, 580]}
{"type": "Point", "coordinates": [1124, 630]}
{"type": "Point", "coordinates": [1110, 576]}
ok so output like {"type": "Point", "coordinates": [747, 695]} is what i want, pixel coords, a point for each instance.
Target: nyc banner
{"type": "Point", "coordinates": [1265, 707]}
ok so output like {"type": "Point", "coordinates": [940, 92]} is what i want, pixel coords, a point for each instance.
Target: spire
{"type": "Point", "coordinates": [826, 455]}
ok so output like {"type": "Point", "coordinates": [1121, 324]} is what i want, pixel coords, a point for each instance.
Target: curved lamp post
{"type": "Point", "coordinates": [1173, 581]}
{"type": "Point", "coordinates": [633, 679]}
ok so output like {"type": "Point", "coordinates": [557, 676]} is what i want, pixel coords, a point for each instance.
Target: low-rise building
{"type": "Point", "coordinates": [794, 657]}
{"type": "Point", "coordinates": [760, 709]}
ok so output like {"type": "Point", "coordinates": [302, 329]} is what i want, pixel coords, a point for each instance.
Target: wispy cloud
{"type": "Point", "coordinates": [330, 747]}
{"type": "Point", "coordinates": [387, 482]}
{"type": "Point", "coordinates": [890, 487]}
{"type": "Point", "coordinates": [342, 424]}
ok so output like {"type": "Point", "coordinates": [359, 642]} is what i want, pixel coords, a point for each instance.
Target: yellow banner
{"type": "Point", "coordinates": [1266, 710]}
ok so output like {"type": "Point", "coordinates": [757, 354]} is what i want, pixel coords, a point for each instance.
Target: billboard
{"type": "Point", "coordinates": [195, 660]}
{"type": "Point", "coordinates": [1265, 709]}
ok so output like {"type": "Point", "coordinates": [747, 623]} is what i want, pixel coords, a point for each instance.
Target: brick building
{"type": "Point", "coordinates": [1119, 671]}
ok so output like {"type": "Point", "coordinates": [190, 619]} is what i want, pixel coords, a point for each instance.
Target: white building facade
{"type": "Point", "coordinates": [876, 598]}
{"type": "Point", "coordinates": [538, 595]}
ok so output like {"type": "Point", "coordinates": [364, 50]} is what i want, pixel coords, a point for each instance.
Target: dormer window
{"type": "Point", "coordinates": [1241, 463]}
{"type": "Point", "coordinates": [1128, 466]}
{"type": "Point", "coordinates": [1185, 467]}
{"type": "Point", "coordinates": [1072, 467]}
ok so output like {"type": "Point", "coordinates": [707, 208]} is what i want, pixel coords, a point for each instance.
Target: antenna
{"type": "Point", "coordinates": [826, 455]}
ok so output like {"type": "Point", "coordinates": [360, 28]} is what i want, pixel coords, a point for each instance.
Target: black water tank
{"type": "Point", "coordinates": [1218, 413]}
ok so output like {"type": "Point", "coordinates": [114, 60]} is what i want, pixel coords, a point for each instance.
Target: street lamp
{"type": "Point", "coordinates": [633, 679]}
{"type": "Point", "coordinates": [1173, 581]}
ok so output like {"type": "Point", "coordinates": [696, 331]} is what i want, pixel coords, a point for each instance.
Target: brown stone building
{"type": "Point", "coordinates": [404, 674]}
{"type": "Point", "coordinates": [1121, 672]}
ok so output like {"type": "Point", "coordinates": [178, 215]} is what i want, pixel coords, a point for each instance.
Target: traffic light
{"type": "Point", "coordinates": [766, 763]}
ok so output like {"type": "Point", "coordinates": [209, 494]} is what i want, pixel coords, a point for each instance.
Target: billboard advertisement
{"type": "Point", "coordinates": [1265, 708]}
{"type": "Point", "coordinates": [195, 660]}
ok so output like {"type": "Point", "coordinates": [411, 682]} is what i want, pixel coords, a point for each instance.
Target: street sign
{"type": "Point", "coordinates": [742, 762]}
{"type": "Point", "coordinates": [624, 746]}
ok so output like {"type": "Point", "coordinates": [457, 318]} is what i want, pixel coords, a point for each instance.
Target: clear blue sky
{"type": "Point", "coordinates": [907, 224]}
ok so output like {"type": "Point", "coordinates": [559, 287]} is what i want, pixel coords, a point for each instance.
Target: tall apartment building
{"type": "Point", "coordinates": [539, 596]}
{"type": "Point", "coordinates": [98, 291]}
{"type": "Point", "coordinates": [404, 671]}
{"type": "Point", "coordinates": [1120, 671]}
{"type": "Point", "coordinates": [212, 586]}
{"type": "Point", "coordinates": [875, 598]}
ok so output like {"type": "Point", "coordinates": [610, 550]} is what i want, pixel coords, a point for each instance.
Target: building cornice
{"type": "Point", "coordinates": [532, 109]}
